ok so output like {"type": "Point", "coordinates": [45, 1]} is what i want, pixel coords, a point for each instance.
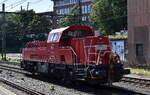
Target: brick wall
{"type": "Point", "coordinates": [138, 35]}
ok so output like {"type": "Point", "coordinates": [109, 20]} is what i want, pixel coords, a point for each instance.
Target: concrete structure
{"type": "Point", "coordinates": [63, 7]}
{"type": "Point", "coordinates": [139, 31]}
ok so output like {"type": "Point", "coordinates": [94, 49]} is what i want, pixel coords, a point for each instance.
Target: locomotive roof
{"type": "Point", "coordinates": [88, 30]}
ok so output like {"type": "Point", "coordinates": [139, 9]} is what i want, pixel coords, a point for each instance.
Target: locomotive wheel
{"type": "Point", "coordinates": [110, 83]}
{"type": "Point", "coordinates": [22, 65]}
{"type": "Point", "coordinates": [34, 72]}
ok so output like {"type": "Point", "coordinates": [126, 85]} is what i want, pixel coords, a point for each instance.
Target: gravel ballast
{"type": "Point", "coordinates": [44, 85]}
{"type": "Point", "coordinates": [15, 91]}
{"type": "Point", "coordinates": [134, 87]}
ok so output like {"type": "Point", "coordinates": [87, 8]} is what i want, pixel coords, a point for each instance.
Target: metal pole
{"type": "Point", "coordinates": [80, 12]}
{"type": "Point", "coordinates": [53, 21]}
{"type": "Point", "coordinates": [3, 34]}
{"type": "Point", "coordinates": [21, 8]}
{"type": "Point", "coordinates": [27, 6]}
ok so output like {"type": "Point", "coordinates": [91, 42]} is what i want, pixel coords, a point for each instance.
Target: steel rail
{"type": "Point", "coordinates": [24, 89]}
{"type": "Point", "coordinates": [125, 78]}
{"type": "Point", "coordinates": [13, 69]}
{"type": "Point", "coordinates": [140, 81]}
{"type": "Point", "coordinates": [116, 88]}
{"type": "Point", "coordinates": [10, 67]}
{"type": "Point", "coordinates": [7, 62]}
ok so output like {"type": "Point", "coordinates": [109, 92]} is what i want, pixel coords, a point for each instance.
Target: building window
{"type": "Point", "coordinates": [84, 18]}
{"type": "Point", "coordinates": [57, 21]}
{"type": "Point", "coordinates": [89, 9]}
{"type": "Point", "coordinates": [67, 2]}
{"type": "Point", "coordinates": [85, 0]}
{"type": "Point", "coordinates": [84, 9]}
{"type": "Point", "coordinates": [139, 50]}
{"type": "Point", "coordinates": [57, 11]}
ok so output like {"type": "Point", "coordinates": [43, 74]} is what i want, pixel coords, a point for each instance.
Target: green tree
{"type": "Point", "coordinates": [73, 17]}
{"type": "Point", "coordinates": [28, 22]}
{"type": "Point", "coordinates": [20, 25]}
{"type": "Point", "coordinates": [109, 16]}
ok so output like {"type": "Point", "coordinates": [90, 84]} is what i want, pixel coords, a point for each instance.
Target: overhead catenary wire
{"type": "Point", "coordinates": [3, 2]}
{"type": "Point", "coordinates": [49, 7]}
{"type": "Point", "coordinates": [15, 4]}
{"type": "Point", "coordinates": [35, 2]}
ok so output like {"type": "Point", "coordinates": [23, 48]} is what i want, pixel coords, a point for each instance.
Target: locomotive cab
{"type": "Point", "coordinates": [68, 35]}
{"type": "Point", "coordinates": [64, 35]}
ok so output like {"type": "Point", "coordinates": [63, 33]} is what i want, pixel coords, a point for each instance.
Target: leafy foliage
{"type": "Point", "coordinates": [19, 26]}
{"type": "Point", "coordinates": [117, 37]}
{"type": "Point", "coordinates": [28, 22]}
{"type": "Point", "coordinates": [73, 18]}
{"type": "Point", "coordinates": [109, 16]}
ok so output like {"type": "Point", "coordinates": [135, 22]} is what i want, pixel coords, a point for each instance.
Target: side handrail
{"type": "Point", "coordinates": [74, 53]}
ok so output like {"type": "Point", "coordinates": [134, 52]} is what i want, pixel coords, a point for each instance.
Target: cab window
{"type": "Point", "coordinates": [73, 34]}
{"type": "Point", "coordinates": [54, 37]}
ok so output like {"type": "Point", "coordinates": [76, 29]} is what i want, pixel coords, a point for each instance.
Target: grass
{"type": "Point", "coordinates": [116, 37]}
{"type": "Point", "coordinates": [140, 71]}
{"type": "Point", "coordinates": [12, 59]}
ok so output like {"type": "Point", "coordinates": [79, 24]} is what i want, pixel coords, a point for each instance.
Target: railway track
{"type": "Point", "coordinates": [13, 69]}
{"type": "Point", "coordinates": [138, 81]}
{"type": "Point", "coordinates": [18, 68]}
{"type": "Point", "coordinates": [7, 62]}
{"type": "Point", "coordinates": [124, 79]}
{"type": "Point", "coordinates": [123, 90]}
{"type": "Point", "coordinates": [24, 89]}
{"type": "Point", "coordinates": [145, 82]}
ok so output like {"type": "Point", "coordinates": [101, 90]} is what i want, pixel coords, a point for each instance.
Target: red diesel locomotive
{"type": "Point", "coordinates": [74, 53]}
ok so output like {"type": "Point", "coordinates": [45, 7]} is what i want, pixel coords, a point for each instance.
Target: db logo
{"type": "Point", "coordinates": [52, 59]}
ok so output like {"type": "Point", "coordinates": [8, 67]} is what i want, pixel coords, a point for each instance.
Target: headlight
{"type": "Point", "coordinates": [100, 61]}
{"type": "Point", "coordinates": [96, 72]}
{"type": "Point", "coordinates": [118, 61]}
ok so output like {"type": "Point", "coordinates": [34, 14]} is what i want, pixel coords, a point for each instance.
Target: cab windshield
{"type": "Point", "coordinates": [73, 34]}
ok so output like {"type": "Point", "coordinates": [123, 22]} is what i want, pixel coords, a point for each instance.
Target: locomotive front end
{"type": "Point", "coordinates": [108, 66]}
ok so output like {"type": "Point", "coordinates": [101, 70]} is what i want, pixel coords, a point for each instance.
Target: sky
{"type": "Point", "coordinates": [37, 5]}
